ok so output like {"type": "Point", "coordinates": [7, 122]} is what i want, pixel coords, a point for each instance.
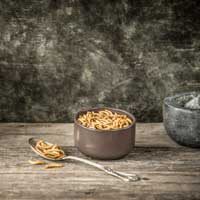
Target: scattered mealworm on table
{"type": "Point", "coordinates": [53, 165]}
{"type": "Point", "coordinates": [37, 162]}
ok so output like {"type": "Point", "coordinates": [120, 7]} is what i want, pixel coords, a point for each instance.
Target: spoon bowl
{"type": "Point", "coordinates": [33, 141]}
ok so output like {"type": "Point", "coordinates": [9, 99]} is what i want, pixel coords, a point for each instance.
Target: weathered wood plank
{"type": "Point", "coordinates": [171, 171]}
{"type": "Point", "coordinates": [147, 134]}
{"type": "Point", "coordinates": [138, 159]}
{"type": "Point", "coordinates": [51, 186]}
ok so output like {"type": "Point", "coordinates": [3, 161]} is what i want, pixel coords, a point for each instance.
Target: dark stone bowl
{"type": "Point", "coordinates": [182, 124]}
{"type": "Point", "coordinates": [104, 144]}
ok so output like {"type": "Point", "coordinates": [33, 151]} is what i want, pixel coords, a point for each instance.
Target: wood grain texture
{"type": "Point", "coordinates": [171, 171]}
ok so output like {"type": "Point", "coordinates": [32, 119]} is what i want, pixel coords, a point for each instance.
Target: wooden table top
{"type": "Point", "coordinates": [172, 171]}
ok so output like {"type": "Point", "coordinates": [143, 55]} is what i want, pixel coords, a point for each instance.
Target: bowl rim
{"type": "Point", "coordinates": [167, 101]}
{"type": "Point", "coordinates": [105, 131]}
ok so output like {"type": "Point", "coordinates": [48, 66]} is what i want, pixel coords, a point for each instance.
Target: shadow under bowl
{"type": "Point", "coordinates": [104, 144]}
{"type": "Point", "coordinates": [182, 124]}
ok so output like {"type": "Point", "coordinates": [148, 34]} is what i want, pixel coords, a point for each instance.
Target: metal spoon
{"type": "Point", "coordinates": [121, 175]}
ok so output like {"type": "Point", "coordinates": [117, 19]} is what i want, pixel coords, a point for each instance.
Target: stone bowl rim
{"type": "Point", "coordinates": [169, 102]}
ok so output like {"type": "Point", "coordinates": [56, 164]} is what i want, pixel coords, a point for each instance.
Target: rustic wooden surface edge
{"type": "Point", "coordinates": [171, 171]}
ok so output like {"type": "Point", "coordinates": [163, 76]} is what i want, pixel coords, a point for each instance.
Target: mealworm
{"type": "Point", "coordinates": [36, 162]}
{"type": "Point", "coordinates": [53, 165]}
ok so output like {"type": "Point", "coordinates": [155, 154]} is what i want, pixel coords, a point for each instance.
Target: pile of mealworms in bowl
{"type": "Point", "coordinates": [104, 120]}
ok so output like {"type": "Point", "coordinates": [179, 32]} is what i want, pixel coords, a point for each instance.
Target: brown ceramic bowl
{"type": "Point", "coordinates": [104, 144]}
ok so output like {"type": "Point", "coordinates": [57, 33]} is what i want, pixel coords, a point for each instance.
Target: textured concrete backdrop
{"type": "Point", "coordinates": [58, 56]}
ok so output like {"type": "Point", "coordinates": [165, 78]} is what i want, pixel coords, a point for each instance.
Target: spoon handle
{"type": "Point", "coordinates": [108, 170]}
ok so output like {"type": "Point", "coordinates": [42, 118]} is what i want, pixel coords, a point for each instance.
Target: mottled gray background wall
{"type": "Point", "coordinates": [58, 56]}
